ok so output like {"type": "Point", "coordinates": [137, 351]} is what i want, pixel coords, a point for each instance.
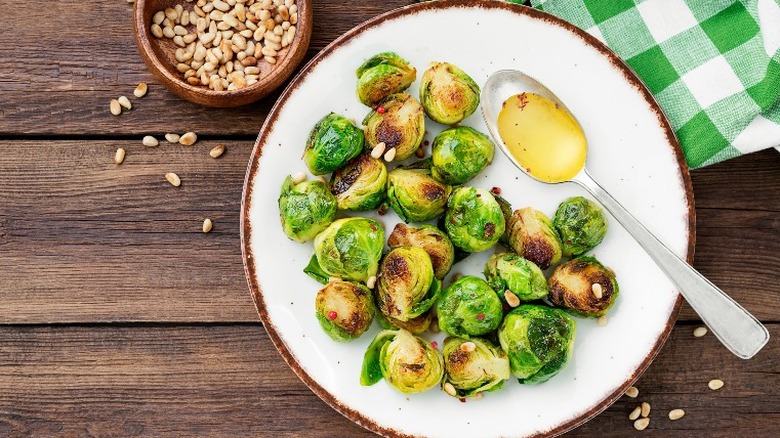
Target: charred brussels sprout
{"type": "Point", "coordinates": [584, 286]}
{"type": "Point", "coordinates": [399, 125]}
{"type": "Point", "coordinates": [532, 235]}
{"type": "Point", "coordinates": [429, 238]}
{"type": "Point", "coordinates": [459, 154]}
{"type": "Point", "coordinates": [510, 272]}
{"type": "Point", "coordinates": [332, 143]}
{"type": "Point", "coordinates": [406, 288]}
{"type": "Point", "coordinates": [474, 220]}
{"type": "Point", "coordinates": [305, 209]}
{"type": "Point", "coordinates": [448, 94]}
{"type": "Point", "coordinates": [360, 185]}
{"type": "Point", "coordinates": [416, 326]}
{"type": "Point", "coordinates": [344, 309]}
{"type": "Point", "coordinates": [471, 371]}
{"type": "Point", "coordinates": [382, 75]}
{"type": "Point", "coordinates": [408, 363]}
{"type": "Point", "coordinates": [469, 307]}
{"type": "Point", "coordinates": [581, 224]}
{"type": "Point", "coordinates": [350, 248]}
{"type": "Point", "coordinates": [415, 196]}
{"type": "Point", "coordinates": [538, 340]}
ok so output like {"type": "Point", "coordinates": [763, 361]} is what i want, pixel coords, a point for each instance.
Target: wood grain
{"type": "Point", "coordinates": [84, 240]}
{"type": "Point", "coordinates": [229, 381]}
{"type": "Point", "coordinates": [77, 56]}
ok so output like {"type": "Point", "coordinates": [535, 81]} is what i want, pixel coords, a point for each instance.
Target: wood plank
{"type": "Point", "coordinates": [229, 381]}
{"type": "Point", "coordinates": [84, 240]}
{"type": "Point", "coordinates": [83, 55]}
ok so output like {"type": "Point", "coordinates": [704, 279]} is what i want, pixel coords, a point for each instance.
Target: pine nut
{"type": "Point", "coordinates": [173, 179]}
{"type": "Point", "coordinates": [150, 141]}
{"type": "Point", "coordinates": [298, 178]}
{"type": "Point", "coordinates": [157, 31]}
{"type": "Point", "coordinates": [207, 225]}
{"type": "Point", "coordinates": [115, 107]}
{"type": "Point", "coordinates": [699, 332]}
{"type": "Point", "coordinates": [676, 414]}
{"type": "Point", "coordinates": [645, 409]}
{"type": "Point", "coordinates": [378, 150]}
{"type": "Point", "coordinates": [715, 384]}
{"type": "Point", "coordinates": [168, 32]}
{"type": "Point", "coordinates": [468, 347]}
{"type": "Point", "coordinates": [449, 389]}
{"type": "Point", "coordinates": [390, 155]}
{"type": "Point", "coordinates": [511, 298]}
{"type": "Point", "coordinates": [371, 282]}
{"type": "Point", "coordinates": [171, 14]}
{"type": "Point", "coordinates": [635, 413]}
{"type": "Point", "coordinates": [180, 30]}
{"type": "Point", "coordinates": [158, 17]}
{"type": "Point", "coordinates": [119, 156]}
{"type": "Point", "coordinates": [602, 321]}
{"type": "Point", "coordinates": [269, 59]}
{"type": "Point", "coordinates": [140, 90]}
{"type": "Point", "coordinates": [598, 291]}
{"type": "Point", "coordinates": [188, 139]}
{"type": "Point", "coordinates": [217, 151]}
{"type": "Point", "coordinates": [641, 424]}
{"type": "Point", "coordinates": [125, 102]}
{"type": "Point", "coordinates": [632, 392]}
{"type": "Point", "coordinates": [252, 70]}
{"type": "Point", "coordinates": [172, 138]}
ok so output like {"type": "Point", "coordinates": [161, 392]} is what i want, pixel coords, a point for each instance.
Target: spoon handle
{"type": "Point", "coordinates": [734, 326]}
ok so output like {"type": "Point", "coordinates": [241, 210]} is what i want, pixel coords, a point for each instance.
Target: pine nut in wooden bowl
{"type": "Point", "coordinates": [181, 52]}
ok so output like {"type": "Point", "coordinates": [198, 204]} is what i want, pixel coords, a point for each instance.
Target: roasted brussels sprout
{"type": "Point", "coordinates": [408, 363]}
{"type": "Point", "coordinates": [581, 224]}
{"type": "Point", "coordinates": [350, 248]}
{"type": "Point", "coordinates": [332, 143]}
{"type": "Point", "coordinates": [510, 272]}
{"type": "Point", "coordinates": [382, 75]}
{"type": "Point", "coordinates": [429, 238]}
{"type": "Point", "coordinates": [360, 185]}
{"type": "Point", "coordinates": [469, 307]}
{"type": "Point", "coordinates": [538, 340]}
{"type": "Point", "coordinates": [448, 94]}
{"type": "Point", "coordinates": [584, 286]}
{"type": "Point", "coordinates": [305, 208]}
{"type": "Point", "coordinates": [415, 196]}
{"type": "Point", "coordinates": [459, 154]}
{"type": "Point", "coordinates": [474, 220]}
{"type": "Point", "coordinates": [399, 123]}
{"type": "Point", "coordinates": [406, 288]}
{"type": "Point", "coordinates": [472, 366]}
{"type": "Point", "coordinates": [532, 235]}
{"type": "Point", "coordinates": [344, 309]}
{"type": "Point", "coordinates": [416, 326]}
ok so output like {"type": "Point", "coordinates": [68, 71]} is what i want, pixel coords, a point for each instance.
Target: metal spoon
{"type": "Point", "coordinates": [734, 326]}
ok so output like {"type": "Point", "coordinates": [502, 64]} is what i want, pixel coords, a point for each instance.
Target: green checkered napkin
{"type": "Point", "coordinates": [713, 65]}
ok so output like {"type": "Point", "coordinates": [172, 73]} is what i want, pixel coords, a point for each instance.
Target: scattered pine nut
{"type": "Point", "coordinates": [299, 178]}
{"type": "Point", "coordinates": [125, 102]}
{"type": "Point", "coordinates": [434, 327]}
{"type": "Point", "coordinates": [645, 409]}
{"type": "Point", "coordinates": [420, 153]}
{"type": "Point", "coordinates": [632, 392]}
{"type": "Point", "coordinates": [378, 150]}
{"type": "Point", "coordinates": [641, 424]}
{"type": "Point", "coordinates": [119, 156]}
{"type": "Point", "coordinates": [635, 413]}
{"type": "Point", "coordinates": [322, 179]}
{"type": "Point", "coordinates": [676, 414]}
{"type": "Point", "coordinates": [188, 139]}
{"type": "Point", "coordinates": [371, 282]}
{"type": "Point", "coordinates": [449, 389]}
{"type": "Point", "coordinates": [511, 298]}
{"type": "Point", "coordinates": [699, 332]}
{"type": "Point", "coordinates": [115, 107]}
{"type": "Point", "coordinates": [390, 155]}
{"type": "Point", "coordinates": [332, 279]}
{"type": "Point", "coordinates": [173, 179]}
{"type": "Point", "coordinates": [150, 141]}
{"type": "Point", "coordinates": [602, 321]}
{"type": "Point", "coordinates": [140, 90]}
{"type": "Point", "coordinates": [715, 384]}
{"type": "Point", "coordinates": [207, 224]}
{"type": "Point", "coordinates": [468, 347]}
{"type": "Point", "coordinates": [478, 396]}
{"type": "Point", "coordinates": [172, 138]}
{"type": "Point", "coordinates": [598, 291]}
{"type": "Point", "coordinates": [217, 151]}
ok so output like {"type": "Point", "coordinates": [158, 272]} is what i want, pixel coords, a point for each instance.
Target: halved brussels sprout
{"type": "Point", "coordinates": [415, 196]}
{"type": "Point", "coordinates": [538, 340]}
{"type": "Point", "coordinates": [416, 326]}
{"type": "Point", "coordinates": [360, 185]}
{"type": "Point", "coordinates": [429, 238]}
{"type": "Point", "coordinates": [584, 286]}
{"type": "Point", "coordinates": [382, 75]}
{"type": "Point", "coordinates": [399, 125]}
{"type": "Point", "coordinates": [469, 307]}
{"type": "Point", "coordinates": [350, 248]}
{"type": "Point", "coordinates": [406, 288]}
{"type": "Point", "coordinates": [408, 363]}
{"type": "Point", "coordinates": [305, 208]}
{"type": "Point", "coordinates": [510, 272]}
{"type": "Point", "coordinates": [581, 224]}
{"type": "Point", "coordinates": [344, 309]}
{"type": "Point", "coordinates": [474, 220]}
{"type": "Point", "coordinates": [448, 94]}
{"type": "Point", "coordinates": [332, 143]}
{"type": "Point", "coordinates": [532, 235]}
{"type": "Point", "coordinates": [483, 369]}
{"type": "Point", "coordinates": [459, 154]}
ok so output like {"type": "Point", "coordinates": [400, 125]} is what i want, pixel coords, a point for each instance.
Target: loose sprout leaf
{"type": "Point", "coordinates": [430, 299]}
{"type": "Point", "coordinates": [314, 270]}
{"type": "Point", "coordinates": [372, 369]}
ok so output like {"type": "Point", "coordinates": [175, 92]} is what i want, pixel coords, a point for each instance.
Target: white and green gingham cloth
{"type": "Point", "coordinates": [713, 65]}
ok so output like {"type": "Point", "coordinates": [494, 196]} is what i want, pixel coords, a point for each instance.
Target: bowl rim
{"type": "Point", "coordinates": [253, 168]}
{"type": "Point", "coordinates": [282, 70]}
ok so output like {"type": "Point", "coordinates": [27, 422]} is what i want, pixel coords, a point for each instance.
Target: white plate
{"type": "Point", "coordinates": [632, 153]}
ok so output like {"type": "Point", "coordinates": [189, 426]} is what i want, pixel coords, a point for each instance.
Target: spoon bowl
{"type": "Point", "coordinates": [734, 326]}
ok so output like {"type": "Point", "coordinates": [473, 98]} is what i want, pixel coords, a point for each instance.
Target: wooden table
{"type": "Point", "coordinates": [121, 318]}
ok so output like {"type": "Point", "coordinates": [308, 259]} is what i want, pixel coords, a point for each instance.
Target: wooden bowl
{"type": "Point", "coordinates": [158, 53]}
